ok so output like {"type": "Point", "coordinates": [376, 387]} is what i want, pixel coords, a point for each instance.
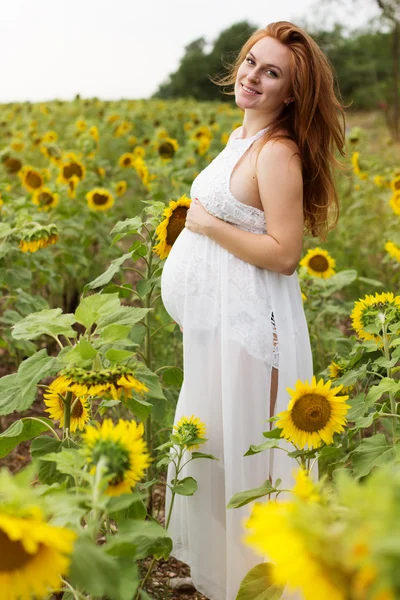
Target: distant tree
{"type": "Point", "coordinates": [192, 78]}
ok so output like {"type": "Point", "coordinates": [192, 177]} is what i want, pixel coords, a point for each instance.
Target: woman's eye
{"type": "Point", "coordinates": [266, 71]}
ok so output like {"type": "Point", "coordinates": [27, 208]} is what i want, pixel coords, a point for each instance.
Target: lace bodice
{"type": "Point", "coordinates": [212, 188]}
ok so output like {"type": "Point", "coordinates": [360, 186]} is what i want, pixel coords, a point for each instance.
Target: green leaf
{"type": "Point", "coordinates": [151, 380]}
{"type": "Point", "coordinates": [373, 452]}
{"type": "Point", "coordinates": [93, 569]}
{"type": "Point", "coordinates": [68, 462]}
{"type": "Point", "coordinates": [106, 277]}
{"type": "Point", "coordinates": [114, 333]}
{"type": "Point", "coordinates": [127, 506]}
{"type": "Point", "coordinates": [11, 397]}
{"type": "Point", "coordinates": [373, 282]}
{"type": "Point", "coordinates": [128, 226]}
{"type": "Point", "coordinates": [242, 498]}
{"type": "Point", "coordinates": [80, 355]}
{"type": "Point", "coordinates": [273, 443]}
{"type": "Point", "coordinates": [203, 455]}
{"type": "Point", "coordinates": [124, 315]}
{"type": "Point", "coordinates": [173, 377]}
{"type": "Point", "coordinates": [258, 585]}
{"type": "Point", "coordinates": [138, 407]}
{"type": "Point", "coordinates": [47, 472]}
{"type": "Point", "coordinates": [273, 434]}
{"type": "Point", "coordinates": [342, 279]}
{"type": "Point", "coordinates": [384, 386]}
{"type": "Point", "coordinates": [118, 356]}
{"type": "Point", "coordinates": [20, 431]}
{"type": "Point", "coordinates": [92, 307]}
{"type": "Point", "coordinates": [358, 407]}
{"type": "Point", "coordinates": [44, 322]}
{"type": "Point", "coordinates": [185, 487]}
{"type": "Point", "coordinates": [35, 368]}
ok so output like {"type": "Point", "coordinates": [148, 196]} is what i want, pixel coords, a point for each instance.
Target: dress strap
{"type": "Point", "coordinates": [249, 139]}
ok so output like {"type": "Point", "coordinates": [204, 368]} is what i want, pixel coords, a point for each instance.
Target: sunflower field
{"type": "Point", "coordinates": [93, 194]}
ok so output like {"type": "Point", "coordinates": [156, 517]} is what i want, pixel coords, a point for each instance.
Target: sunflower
{"type": "Point", "coordinates": [38, 237]}
{"type": "Point", "coordinates": [367, 309]}
{"type": "Point", "coordinates": [49, 137]}
{"type": "Point", "coordinates": [203, 146]}
{"type": "Point", "coordinates": [314, 413]}
{"type": "Point", "coordinates": [274, 534]}
{"type": "Point", "coordinates": [393, 250]}
{"type": "Point", "coordinates": [319, 263]}
{"type": "Point", "coordinates": [115, 382]}
{"type": "Point", "coordinates": [132, 140]}
{"type": "Point", "coordinates": [167, 148]}
{"type": "Point", "coordinates": [100, 199]}
{"type": "Point", "coordinates": [34, 555]}
{"type": "Point", "coordinates": [17, 146]}
{"type": "Point", "coordinates": [172, 225]}
{"type": "Point", "coordinates": [94, 133]}
{"type": "Point", "coordinates": [124, 449]}
{"type": "Point", "coordinates": [189, 429]}
{"type": "Point", "coordinates": [81, 124]}
{"type": "Point", "coordinates": [355, 160]}
{"type": "Point", "coordinates": [12, 165]}
{"type": "Point", "coordinates": [304, 487]}
{"type": "Point", "coordinates": [31, 178]}
{"type": "Point", "coordinates": [45, 199]}
{"type": "Point", "coordinates": [395, 184]}
{"type": "Point", "coordinates": [202, 132]}
{"type": "Point", "coordinates": [53, 399]}
{"type": "Point", "coordinates": [394, 203]}
{"type": "Point", "coordinates": [139, 151]}
{"type": "Point", "coordinates": [335, 371]}
{"type": "Point", "coordinates": [142, 170]}
{"type": "Point", "coordinates": [121, 187]}
{"type": "Point", "coordinates": [126, 160]}
{"type": "Point", "coordinates": [72, 167]}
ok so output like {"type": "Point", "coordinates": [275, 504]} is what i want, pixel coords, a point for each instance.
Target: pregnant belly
{"type": "Point", "coordinates": [190, 276]}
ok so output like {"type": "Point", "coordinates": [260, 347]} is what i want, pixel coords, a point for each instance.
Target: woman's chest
{"type": "Point", "coordinates": [243, 183]}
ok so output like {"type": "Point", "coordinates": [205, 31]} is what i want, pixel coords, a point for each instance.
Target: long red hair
{"type": "Point", "coordinates": [315, 120]}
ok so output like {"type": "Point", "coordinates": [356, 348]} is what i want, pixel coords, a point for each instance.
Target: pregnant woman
{"type": "Point", "coordinates": [230, 282]}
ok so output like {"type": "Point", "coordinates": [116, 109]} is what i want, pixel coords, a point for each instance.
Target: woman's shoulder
{"type": "Point", "coordinates": [281, 146]}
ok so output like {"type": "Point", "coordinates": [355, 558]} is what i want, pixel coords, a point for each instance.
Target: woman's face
{"type": "Point", "coordinates": [265, 70]}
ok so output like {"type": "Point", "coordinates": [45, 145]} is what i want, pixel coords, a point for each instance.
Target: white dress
{"type": "Point", "coordinates": [224, 306]}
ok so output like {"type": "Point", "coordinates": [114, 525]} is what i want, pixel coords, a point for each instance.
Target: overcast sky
{"type": "Point", "coordinates": [125, 48]}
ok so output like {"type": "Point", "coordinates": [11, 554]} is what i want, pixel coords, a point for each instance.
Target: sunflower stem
{"type": "Point", "coordinates": [148, 361]}
{"type": "Point", "coordinates": [393, 406]}
{"type": "Point", "coordinates": [67, 413]}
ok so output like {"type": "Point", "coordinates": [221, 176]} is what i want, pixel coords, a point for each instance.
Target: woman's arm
{"type": "Point", "coordinates": [281, 191]}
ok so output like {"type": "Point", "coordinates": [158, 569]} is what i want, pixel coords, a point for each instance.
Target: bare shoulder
{"type": "Point", "coordinates": [281, 152]}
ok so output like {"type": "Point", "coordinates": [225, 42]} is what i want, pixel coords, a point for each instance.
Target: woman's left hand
{"type": "Point", "coordinates": [198, 219]}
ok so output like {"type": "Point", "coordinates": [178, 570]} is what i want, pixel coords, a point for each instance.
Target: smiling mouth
{"type": "Point", "coordinates": [254, 92]}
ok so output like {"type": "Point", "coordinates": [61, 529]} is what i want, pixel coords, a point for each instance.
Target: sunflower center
{"type": "Point", "coordinates": [45, 199]}
{"type": "Point", "coordinates": [118, 459]}
{"type": "Point", "coordinates": [176, 224]}
{"type": "Point", "coordinates": [71, 170]}
{"type": "Point", "coordinates": [319, 263]}
{"type": "Point", "coordinates": [77, 410]}
{"type": "Point", "coordinates": [100, 199]}
{"type": "Point", "coordinates": [166, 150]}
{"type": "Point", "coordinates": [127, 161]}
{"type": "Point", "coordinates": [33, 179]}
{"type": "Point", "coordinates": [13, 554]}
{"type": "Point", "coordinates": [13, 165]}
{"type": "Point", "coordinates": [311, 412]}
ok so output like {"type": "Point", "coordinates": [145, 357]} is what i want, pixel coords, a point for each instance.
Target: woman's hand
{"type": "Point", "coordinates": [198, 219]}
